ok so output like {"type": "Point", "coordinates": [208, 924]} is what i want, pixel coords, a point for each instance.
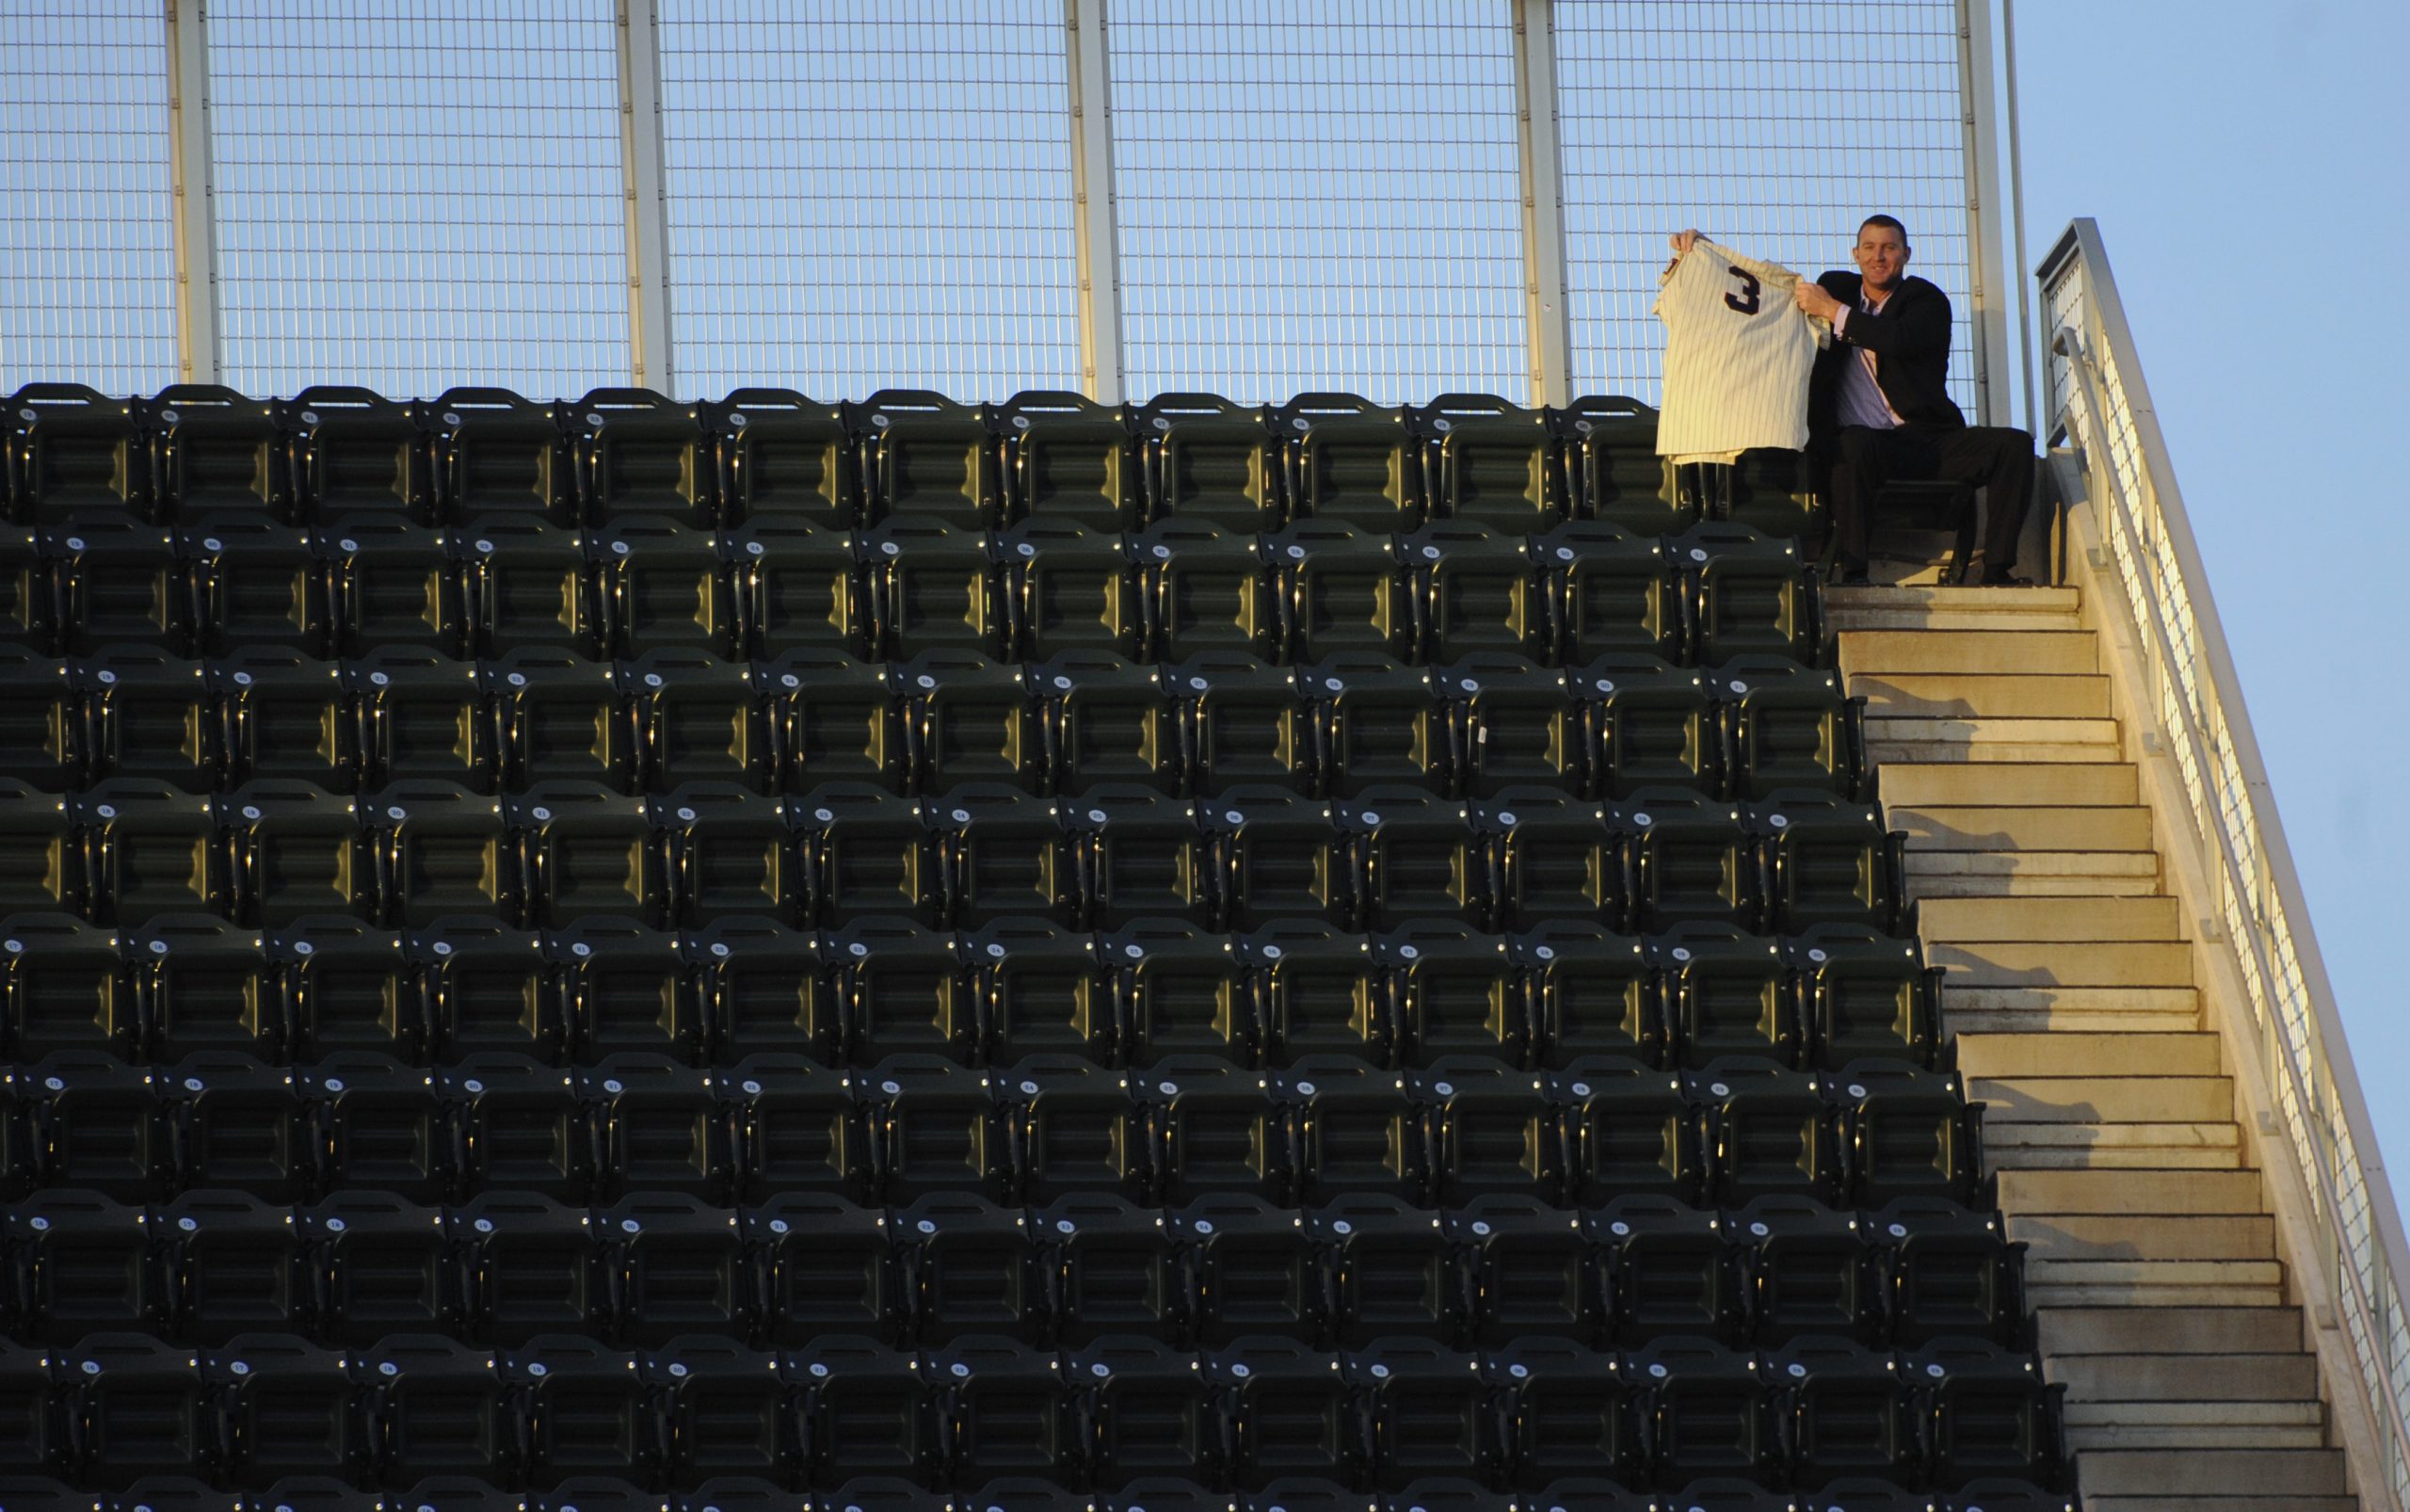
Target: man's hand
{"type": "Point", "coordinates": [1812, 299]}
{"type": "Point", "coordinates": [1680, 241]}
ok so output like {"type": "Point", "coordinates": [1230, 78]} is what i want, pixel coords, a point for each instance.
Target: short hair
{"type": "Point", "coordinates": [1889, 223]}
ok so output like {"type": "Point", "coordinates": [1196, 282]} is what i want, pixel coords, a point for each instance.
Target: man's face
{"type": "Point", "coordinates": [1882, 255]}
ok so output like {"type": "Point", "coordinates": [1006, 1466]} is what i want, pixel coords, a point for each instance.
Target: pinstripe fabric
{"type": "Point", "coordinates": [1738, 356]}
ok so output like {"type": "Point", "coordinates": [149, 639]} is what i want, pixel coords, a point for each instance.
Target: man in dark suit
{"type": "Point", "coordinates": [1879, 406]}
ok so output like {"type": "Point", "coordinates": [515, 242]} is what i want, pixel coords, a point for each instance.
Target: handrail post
{"type": "Point", "coordinates": [1094, 233]}
{"type": "Point", "coordinates": [198, 348]}
{"type": "Point", "coordinates": [645, 194]}
{"type": "Point", "coordinates": [1547, 324]}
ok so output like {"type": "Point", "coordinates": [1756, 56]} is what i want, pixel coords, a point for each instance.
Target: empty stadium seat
{"type": "Point", "coordinates": [1244, 724]}
{"type": "Point", "coordinates": [1349, 1130]}
{"type": "Point", "coordinates": [672, 1265]}
{"type": "Point", "coordinates": [825, 1266]}
{"type": "Point", "coordinates": [762, 988]}
{"type": "Point", "coordinates": [1001, 853]}
{"type": "Point", "coordinates": [1350, 463]}
{"type": "Point", "coordinates": [148, 849]}
{"type": "Point", "coordinates": [1067, 589]}
{"type": "Point", "coordinates": [1144, 1412]}
{"type": "Point", "coordinates": [1909, 1133]}
{"type": "Point", "coordinates": [1179, 989]}
{"type": "Point", "coordinates": [1108, 1267]}
{"type": "Point", "coordinates": [1863, 994]}
{"type": "Point", "coordinates": [532, 1267]}
{"type": "Point", "coordinates": [623, 986]}
{"type": "Point", "coordinates": [1693, 859]}
{"type": "Point", "coordinates": [148, 719]}
{"type": "Point", "coordinates": [1771, 1129]}
{"type": "Point", "coordinates": [925, 457]}
{"type": "Point", "coordinates": [635, 453]}
{"type": "Point", "coordinates": [864, 1415]}
{"type": "Point", "coordinates": [967, 720]}
{"type": "Point", "coordinates": [657, 586]}
{"type": "Point", "coordinates": [496, 457]}
{"type": "Point", "coordinates": [1610, 593]}
{"type": "Point", "coordinates": [1750, 594]}
{"type": "Point", "coordinates": [793, 585]}
{"type": "Point", "coordinates": [1006, 1406]}
{"type": "Point", "coordinates": [1137, 855]}
{"type": "Point", "coordinates": [1511, 723]}
{"type": "Point", "coordinates": [1648, 725]}
{"type": "Point", "coordinates": [235, 1123]}
{"type": "Point", "coordinates": [436, 1407]}
{"type": "Point", "coordinates": [64, 986]}
{"type": "Point", "coordinates": [968, 1269]}
{"type": "Point", "coordinates": [728, 853]}
{"type": "Point", "coordinates": [1806, 1270]}
{"type": "Point", "coordinates": [43, 735]}
{"type": "Point", "coordinates": [134, 1406]}
{"type": "Point", "coordinates": [282, 715]}
{"type": "Point", "coordinates": [1291, 1411]}
{"type": "Point", "coordinates": [1706, 1412]}
{"type": "Point", "coordinates": [795, 1127]}
{"type": "Point", "coordinates": [934, 1127]}
{"type": "Point", "coordinates": [1489, 464]}
{"type": "Point", "coordinates": [1388, 1270]}
{"type": "Point", "coordinates": [422, 716]}
{"type": "Point", "coordinates": [1207, 592]}
{"type": "Point", "coordinates": [1489, 1130]}
{"type": "Point", "coordinates": [1340, 591]}
{"type": "Point", "coordinates": [558, 717]}
{"type": "Point", "coordinates": [69, 448]}
{"type": "Point", "coordinates": [1209, 460]}
{"type": "Point", "coordinates": [1728, 993]}
{"type": "Point", "coordinates": [516, 1126]}
{"type": "Point", "coordinates": [1610, 458]}
{"type": "Point", "coordinates": [1215, 1129]}
{"type": "Point", "coordinates": [1316, 990]}
{"type": "Point", "coordinates": [98, 1126]}
{"type": "Point", "coordinates": [117, 582]}
{"type": "Point", "coordinates": [378, 1266]}
{"type": "Point", "coordinates": [377, 1127]}
{"type": "Point", "coordinates": [1829, 860]}
{"type": "Point", "coordinates": [483, 984]}
{"type": "Point", "coordinates": [1788, 726]}
{"type": "Point", "coordinates": [1409, 855]}
{"type": "Point", "coordinates": [1379, 723]}
{"type": "Point", "coordinates": [1275, 857]}
{"type": "Point", "coordinates": [232, 1265]}
{"type": "Point", "coordinates": [353, 454]}
{"type": "Point", "coordinates": [1988, 1413]}
{"type": "Point", "coordinates": [1565, 1412]}
{"type": "Point", "coordinates": [1628, 1129]}
{"type": "Point", "coordinates": [905, 989]}
{"type": "Point", "coordinates": [253, 582]}
{"type": "Point", "coordinates": [1107, 720]}
{"type": "Point", "coordinates": [1040, 991]}
{"type": "Point", "coordinates": [723, 1411]}
{"type": "Point", "coordinates": [1944, 1270]}
{"type": "Point", "coordinates": [201, 984]}
{"type": "Point", "coordinates": [585, 850]}
{"type": "Point", "coordinates": [831, 717]}
{"type": "Point", "coordinates": [83, 1264]}
{"type": "Point", "coordinates": [293, 850]}
{"type": "Point", "coordinates": [1068, 458]}
{"type": "Point", "coordinates": [441, 850]}
{"type": "Point", "coordinates": [523, 583]}
{"type": "Point", "coordinates": [1453, 991]}
{"type": "Point", "coordinates": [781, 457]}
{"type": "Point", "coordinates": [1588, 992]}
{"type": "Point", "coordinates": [216, 449]}
{"type": "Point", "coordinates": [1427, 1410]}
{"type": "Point", "coordinates": [1474, 592]}
{"type": "Point", "coordinates": [390, 582]}
{"type": "Point", "coordinates": [1526, 1270]}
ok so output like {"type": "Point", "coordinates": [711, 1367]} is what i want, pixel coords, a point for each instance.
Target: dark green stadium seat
{"type": "Point", "coordinates": [1210, 461]}
{"type": "Point", "coordinates": [1829, 860]}
{"type": "Point", "coordinates": [831, 717]}
{"type": "Point", "coordinates": [763, 989]}
{"type": "Point", "coordinates": [925, 457]}
{"type": "Point", "coordinates": [906, 993]}
{"type": "Point", "coordinates": [343, 985]}
{"type": "Point", "coordinates": [725, 1413]}
{"type": "Point", "coordinates": [1945, 1270]}
{"type": "Point", "coordinates": [1617, 475]}
{"type": "Point", "coordinates": [284, 716]}
{"type": "Point", "coordinates": [558, 717]}
{"type": "Point", "coordinates": [1545, 854]}
{"type": "Point", "coordinates": [968, 719]}
{"type": "Point", "coordinates": [1648, 725]}
{"type": "Point", "coordinates": [1849, 1412]}
{"type": "Point", "coordinates": [1750, 595]}
{"type": "Point", "coordinates": [85, 1265]}
{"type": "Point", "coordinates": [1068, 589]}
{"type": "Point", "coordinates": [1526, 1271]}
{"type": "Point", "coordinates": [354, 454]}
{"type": "Point", "coordinates": [1244, 724]}
{"type": "Point", "coordinates": [1628, 1131]}
{"type": "Point", "coordinates": [1076, 1126]}
{"type": "Point", "coordinates": [1452, 992]}
{"type": "Point", "coordinates": [42, 730]}
{"type": "Point", "coordinates": [1729, 994]}
{"type": "Point", "coordinates": [390, 582]}
{"type": "Point", "coordinates": [968, 1269]}
{"type": "Point", "coordinates": [1490, 465]}
{"type": "Point", "coordinates": [1693, 860]}
{"type": "Point", "coordinates": [29, 609]}
{"type": "Point", "coordinates": [1709, 1413]}
{"type": "Point", "coordinates": [1002, 853]}
{"type": "Point", "coordinates": [1988, 1413]}
{"type": "Point", "coordinates": [729, 854]}
{"type": "Point", "coordinates": [1806, 1270]}
{"type": "Point", "coordinates": [147, 849]}
{"type": "Point", "coordinates": [253, 582]}
{"type": "Point", "coordinates": [1431, 1421]}
{"type": "Point", "coordinates": [1378, 722]}
{"type": "Point", "coordinates": [149, 716]}
{"type": "Point", "coordinates": [294, 849]}
{"type": "Point", "coordinates": [581, 1409]}
{"type": "Point", "coordinates": [934, 1127]}
{"type": "Point", "coordinates": [1475, 591]}
{"type": "Point", "coordinates": [826, 1266]}
{"type": "Point", "coordinates": [1155, 1416]}
{"type": "Point", "coordinates": [233, 1262]}
{"type": "Point", "coordinates": [485, 986]}
{"type": "Point", "coordinates": [1340, 591]}
{"type": "Point", "coordinates": [237, 1124]}
{"type": "Point", "coordinates": [1068, 458]}
{"type": "Point", "coordinates": [63, 986]}
{"type": "Point", "coordinates": [1207, 592]}
{"type": "Point", "coordinates": [1351, 1129]}
{"type": "Point", "coordinates": [1489, 1128]}
{"type": "Point", "coordinates": [624, 989]}
{"type": "Point", "coordinates": [658, 586]}
{"type": "Point", "coordinates": [1137, 855]}
{"type": "Point", "coordinates": [695, 719]}
{"type": "Point", "coordinates": [1588, 992]}
{"type": "Point", "coordinates": [1316, 992]}
{"type": "Point", "coordinates": [1292, 1413]}
{"type": "Point", "coordinates": [1409, 855]}
{"type": "Point", "coordinates": [136, 1407]}
{"type": "Point", "coordinates": [202, 984]}
{"type": "Point", "coordinates": [1773, 1131]}
{"type": "Point", "coordinates": [1512, 723]}
{"type": "Point", "coordinates": [673, 1264]}
{"type": "Point", "coordinates": [40, 867]}
{"type": "Point", "coordinates": [783, 457]}
{"type": "Point", "coordinates": [214, 449]}
{"type": "Point", "coordinates": [1215, 1132]}
{"type": "Point", "coordinates": [116, 579]}
{"type": "Point", "coordinates": [932, 588]}
{"type": "Point", "coordinates": [585, 850]}
{"type": "Point", "coordinates": [99, 1123]}
{"type": "Point", "coordinates": [1349, 461]}
{"type": "Point", "coordinates": [1567, 1410]}
{"type": "Point", "coordinates": [1275, 857]}
{"type": "Point", "coordinates": [439, 849]}
{"type": "Point", "coordinates": [1107, 720]}
{"type": "Point", "coordinates": [864, 851]}
{"type": "Point", "coordinates": [795, 586]}
{"type": "Point", "coordinates": [635, 453]}
{"type": "Point", "coordinates": [523, 583]}
{"type": "Point", "coordinates": [69, 448]}
{"type": "Point", "coordinates": [1769, 490]}
{"type": "Point", "coordinates": [1908, 1131]}
{"type": "Point", "coordinates": [1178, 990]}
{"type": "Point", "coordinates": [1011, 1418]}
{"type": "Point", "coordinates": [496, 455]}
{"type": "Point", "coordinates": [1789, 725]}
{"type": "Point", "coordinates": [1041, 993]}
{"type": "Point", "coordinates": [795, 1127]}
{"type": "Point", "coordinates": [378, 1127]}
{"type": "Point", "coordinates": [1612, 593]}
{"type": "Point", "coordinates": [1246, 1275]}
{"type": "Point", "coordinates": [863, 1415]}
{"type": "Point", "coordinates": [440, 1412]}
{"type": "Point", "coordinates": [1110, 1269]}
{"type": "Point", "coordinates": [517, 1128]}
{"type": "Point", "coordinates": [421, 717]}
{"type": "Point", "coordinates": [1864, 994]}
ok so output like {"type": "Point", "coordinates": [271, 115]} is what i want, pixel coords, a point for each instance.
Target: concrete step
{"type": "Point", "coordinates": [2082, 1331]}
{"type": "Point", "coordinates": [2048, 784]}
{"type": "Point", "coordinates": [1990, 753]}
{"type": "Point", "coordinates": [2080, 963]}
{"type": "Point", "coordinates": [1958, 884]}
{"type": "Point", "coordinates": [1925, 862]}
{"type": "Point", "coordinates": [2129, 1236]}
{"type": "Point", "coordinates": [2220, 1472]}
{"type": "Point", "coordinates": [2004, 1150]}
{"type": "Point", "coordinates": [1980, 695]}
{"type": "Point", "coordinates": [1920, 730]}
{"type": "Point", "coordinates": [2230, 1382]}
{"type": "Point", "coordinates": [2096, 1437]}
{"type": "Point", "coordinates": [2104, 1099]}
{"type": "Point", "coordinates": [2163, 1283]}
{"type": "Point", "coordinates": [2219, 1503]}
{"type": "Point", "coordinates": [1940, 599]}
{"type": "Point", "coordinates": [2125, 1192]}
{"type": "Point", "coordinates": [2135, 1005]}
{"type": "Point", "coordinates": [2089, 1054]}
{"type": "Point", "coordinates": [1905, 618]}
{"type": "Point", "coordinates": [1979, 828]}
{"type": "Point", "coordinates": [1962, 921]}
{"type": "Point", "coordinates": [2051, 1019]}
{"type": "Point", "coordinates": [2036, 651]}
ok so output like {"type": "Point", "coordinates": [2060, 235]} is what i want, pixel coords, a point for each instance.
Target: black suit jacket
{"type": "Point", "coordinates": [1910, 341]}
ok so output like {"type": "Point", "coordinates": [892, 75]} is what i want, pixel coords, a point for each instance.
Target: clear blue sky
{"type": "Point", "coordinates": [2245, 163]}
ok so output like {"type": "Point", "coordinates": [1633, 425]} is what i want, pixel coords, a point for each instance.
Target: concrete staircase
{"type": "Point", "coordinates": [2110, 1116]}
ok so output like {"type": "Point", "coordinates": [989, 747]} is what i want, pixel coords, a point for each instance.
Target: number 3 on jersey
{"type": "Point", "coordinates": [1747, 300]}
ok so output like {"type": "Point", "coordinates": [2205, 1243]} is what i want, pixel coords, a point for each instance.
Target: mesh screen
{"type": "Point", "coordinates": [88, 243]}
{"type": "Point", "coordinates": [864, 194]}
{"type": "Point", "coordinates": [1318, 195]}
{"type": "Point", "coordinates": [1774, 126]}
{"type": "Point", "coordinates": [413, 194]}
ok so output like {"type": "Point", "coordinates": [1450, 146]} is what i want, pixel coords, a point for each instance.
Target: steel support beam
{"type": "Point", "coordinates": [1991, 284]}
{"type": "Point", "coordinates": [1547, 329]}
{"type": "Point", "coordinates": [647, 215]}
{"type": "Point", "coordinates": [1093, 229]}
{"type": "Point", "coordinates": [195, 190]}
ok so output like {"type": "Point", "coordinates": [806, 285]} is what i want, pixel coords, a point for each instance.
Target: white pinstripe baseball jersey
{"type": "Point", "coordinates": [1738, 356]}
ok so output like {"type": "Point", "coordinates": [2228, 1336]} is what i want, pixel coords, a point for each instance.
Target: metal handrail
{"type": "Point", "coordinates": [2098, 394]}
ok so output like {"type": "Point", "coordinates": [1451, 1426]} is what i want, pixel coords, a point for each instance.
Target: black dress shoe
{"type": "Point", "coordinates": [1853, 579]}
{"type": "Point", "coordinates": [2002, 577]}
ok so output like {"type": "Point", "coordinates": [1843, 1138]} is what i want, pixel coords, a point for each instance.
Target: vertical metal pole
{"type": "Point", "coordinates": [648, 215]}
{"type": "Point", "coordinates": [1547, 327]}
{"type": "Point", "coordinates": [195, 186]}
{"type": "Point", "coordinates": [1094, 233]}
{"type": "Point", "coordinates": [1989, 282]}
{"type": "Point", "coordinates": [2025, 301]}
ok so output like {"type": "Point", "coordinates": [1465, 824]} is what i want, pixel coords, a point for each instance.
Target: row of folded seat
{"type": "Point", "coordinates": [1037, 590]}
{"type": "Point", "coordinates": [1545, 997]}
{"type": "Point", "coordinates": [331, 454]}
{"type": "Point", "coordinates": [356, 1267]}
{"type": "Point", "coordinates": [127, 851]}
{"type": "Point", "coordinates": [1476, 726]}
{"type": "Point", "coordinates": [1187, 1127]}
{"type": "Point", "coordinates": [1525, 1415]}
